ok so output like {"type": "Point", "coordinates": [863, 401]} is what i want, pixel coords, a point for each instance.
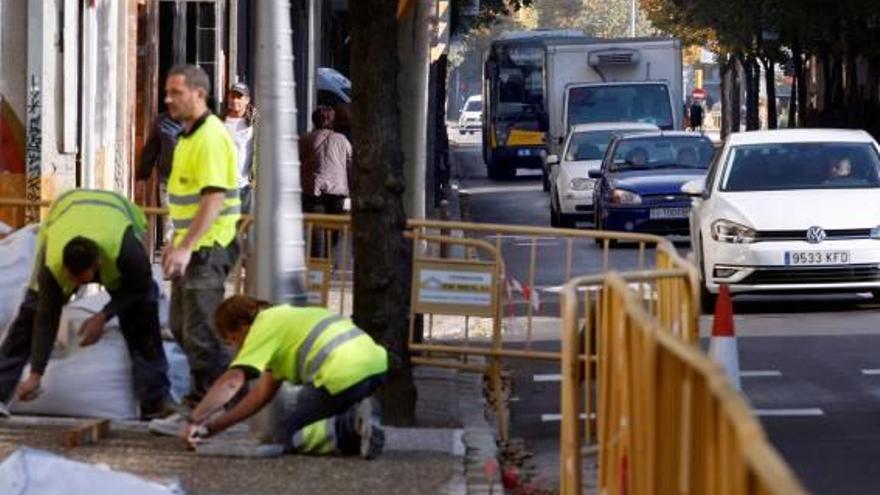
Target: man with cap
{"type": "Point", "coordinates": [239, 119]}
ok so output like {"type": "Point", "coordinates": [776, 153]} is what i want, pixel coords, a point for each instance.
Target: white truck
{"type": "Point", "coordinates": [592, 80]}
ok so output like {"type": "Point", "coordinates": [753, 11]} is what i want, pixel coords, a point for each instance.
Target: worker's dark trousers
{"type": "Point", "coordinates": [194, 298]}
{"type": "Point", "coordinates": [140, 328]}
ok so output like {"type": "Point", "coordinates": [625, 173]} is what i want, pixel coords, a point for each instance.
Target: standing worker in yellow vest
{"type": "Point", "coordinates": [204, 206]}
{"type": "Point", "coordinates": [338, 365]}
{"type": "Point", "coordinates": [90, 236]}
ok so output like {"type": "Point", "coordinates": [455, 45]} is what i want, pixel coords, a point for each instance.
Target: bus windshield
{"type": "Point", "coordinates": [519, 87]}
{"type": "Point", "coordinates": [620, 103]}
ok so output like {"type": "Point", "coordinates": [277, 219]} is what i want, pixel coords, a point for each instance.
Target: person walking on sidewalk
{"type": "Point", "coordinates": [158, 153]}
{"type": "Point", "coordinates": [204, 205]}
{"type": "Point", "coordinates": [326, 162]}
{"type": "Point", "coordinates": [90, 236]}
{"type": "Point", "coordinates": [338, 365]}
{"type": "Point", "coordinates": [240, 119]}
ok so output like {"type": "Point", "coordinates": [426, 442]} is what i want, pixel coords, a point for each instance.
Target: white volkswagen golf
{"type": "Point", "coordinates": [790, 210]}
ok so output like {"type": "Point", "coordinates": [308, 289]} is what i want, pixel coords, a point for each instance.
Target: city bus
{"type": "Point", "coordinates": [514, 118]}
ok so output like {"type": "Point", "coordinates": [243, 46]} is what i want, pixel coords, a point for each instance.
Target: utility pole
{"type": "Point", "coordinates": [632, 18]}
{"type": "Point", "coordinates": [279, 254]}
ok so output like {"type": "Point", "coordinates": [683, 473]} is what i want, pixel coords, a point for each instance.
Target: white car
{"type": "Point", "coordinates": [790, 210]}
{"type": "Point", "coordinates": [571, 188]}
{"type": "Point", "coordinates": [471, 118]}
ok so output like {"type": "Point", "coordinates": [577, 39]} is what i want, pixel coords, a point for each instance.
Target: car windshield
{"type": "Point", "coordinates": [591, 145]}
{"type": "Point", "coordinates": [648, 103]}
{"type": "Point", "coordinates": [788, 166]}
{"type": "Point", "coordinates": [474, 106]}
{"type": "Point", "coordinates": [660, 152]}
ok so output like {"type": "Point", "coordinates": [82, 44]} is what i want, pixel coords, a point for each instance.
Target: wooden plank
{"type": "Point", "coordinates": [85, 433]}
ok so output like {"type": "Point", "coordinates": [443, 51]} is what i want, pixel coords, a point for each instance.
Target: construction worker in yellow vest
{"type": "Point", "coordinates": [90, 236]}
{"type": "Point", "coordinates": [204, 206]}
{"type": "Point", "coordinates": [337, 365]}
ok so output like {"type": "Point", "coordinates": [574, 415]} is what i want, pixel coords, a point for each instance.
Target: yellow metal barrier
{"type": "Point", "coordinates": [668, 421]}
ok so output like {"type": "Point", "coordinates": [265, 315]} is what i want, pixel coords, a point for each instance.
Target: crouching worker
{"type": "Point", "coordinates": [89, 236]}
{"type": "Point", "coordinates": [338, 365]}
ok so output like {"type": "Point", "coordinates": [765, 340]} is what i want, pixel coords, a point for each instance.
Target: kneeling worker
{"type": "Point", "coordinates": [338, 365]}
{"type": "Point", "coordinates": [89, 236]}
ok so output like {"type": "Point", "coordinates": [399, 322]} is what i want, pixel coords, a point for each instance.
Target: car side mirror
{"type": "Point", "coordinates": [552, 159]}
{"type": "Point", "coordinates": [595, 174]}
{"type": "Point", "coordinates": [695, 188]}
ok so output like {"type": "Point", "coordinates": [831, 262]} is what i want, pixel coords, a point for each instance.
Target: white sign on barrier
{"type": "Point", "coordinates": [454, 288]}
{"type": "Point", "coordinates": [318, 283]}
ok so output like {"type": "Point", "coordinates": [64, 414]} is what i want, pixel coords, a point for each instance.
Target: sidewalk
{"type": "Point", "coordinates": [446, 457]}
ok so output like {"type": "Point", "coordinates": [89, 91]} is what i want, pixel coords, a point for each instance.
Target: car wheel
{"type": "Point", "coordinates": [545, 178]}
{"type": "Point", "coordinates": [554, 216]}
{"type": "Point", "coordinates": [461, 132]}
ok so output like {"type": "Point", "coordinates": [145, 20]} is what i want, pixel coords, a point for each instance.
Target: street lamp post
{"type": "Point", "coordinates": [632, 18]}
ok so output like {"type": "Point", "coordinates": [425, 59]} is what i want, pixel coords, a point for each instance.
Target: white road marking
{"type": "Point", "coordinates": [808, 411]}
{"type": "Point", "coordinates": [548, 418]}
{"type": "Point", "coordinates": [552, 377]}
{"type": "Point", "coordinates": [520, 237]}
{"type": "Point", "coordinates": [538, 244]}
{"type": "Point", "coordinates": [500, 189]}
{"type": "Point", "coordinates": [870, 372]}
{"type": "Point", "coordinates": [759, 373]}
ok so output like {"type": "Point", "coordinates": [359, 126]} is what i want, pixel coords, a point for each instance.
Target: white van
{"type": "Point", "coordinates": [471, 119]}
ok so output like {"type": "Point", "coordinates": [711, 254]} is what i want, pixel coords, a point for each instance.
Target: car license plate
{"type": "Point", "coordinates": [523, 152]}
{"type": "Point", "coordinates": [666, 213]}
{"type": "Point", "coordinates": [817, 257]}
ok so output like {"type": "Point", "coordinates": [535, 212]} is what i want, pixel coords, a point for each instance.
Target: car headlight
{"type": "Point", "coordinates": [581, 184]}
{"type": "Point", "coordinates": [732, 232]}
{"type": "Point", "coordinates": [624, 197]}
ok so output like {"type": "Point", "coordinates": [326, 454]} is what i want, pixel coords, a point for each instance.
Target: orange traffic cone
{"type": "Point", "coordinates": [722, 347]}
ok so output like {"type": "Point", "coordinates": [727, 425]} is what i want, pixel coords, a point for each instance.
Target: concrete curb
{"type": "Point", "coordinates": [479, 437]}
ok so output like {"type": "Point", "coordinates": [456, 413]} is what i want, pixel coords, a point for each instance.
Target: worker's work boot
{"type": "Point", "coordinates": [370, 431]}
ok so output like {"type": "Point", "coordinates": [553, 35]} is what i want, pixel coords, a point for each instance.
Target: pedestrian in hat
{"type": "Point", "coordinates": [240, 119]}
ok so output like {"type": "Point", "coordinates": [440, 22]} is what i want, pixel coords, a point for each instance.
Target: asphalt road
{"type": "Point", "coordinates": [812, 363]}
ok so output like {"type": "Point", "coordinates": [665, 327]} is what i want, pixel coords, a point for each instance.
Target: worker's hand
{"type": "Point", "coordinates": [194, 434]}
{"type": "Point", "coordinates": [92, 329]}
{"type": "Point", "coordinates": [174, 261]}
{"type": "Point", "coordinates": [29, 389]}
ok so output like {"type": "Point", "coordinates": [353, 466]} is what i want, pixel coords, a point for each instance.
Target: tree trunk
{"type": "Point", "coordinates": [753, 77]}
{"type": "Point", "coordinates": [800, 75]}
{"type": "Point", "coordinates": [770, 81]}
{"type": "Point", "coordinates": [382, 257]}
{"type": "Point", "coordinates": [438, 161]}
{"type": "Point", "coordinates": [730, 101]}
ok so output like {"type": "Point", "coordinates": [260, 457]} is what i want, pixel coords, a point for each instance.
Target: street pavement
{"type": "Point", "coordinates": [811, 363]}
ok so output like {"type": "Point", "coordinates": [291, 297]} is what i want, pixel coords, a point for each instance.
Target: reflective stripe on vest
{"type": "Point", "coordinates": [309, 342]}
{"type": "Point", "coordinates": [309, 368]}
{"type": "Point", "coordinates": [101, 216]}
{"type": "Point", "coordinates": [316, 438]}
{"type": "Point", "coordinates": [229, 210]}
{"type": "Point", "coordinates": [193, 199]}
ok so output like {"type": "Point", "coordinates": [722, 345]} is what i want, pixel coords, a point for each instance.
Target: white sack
{"type": "Point", "coordinates": [16, 258]}
{"type": "Point", "coordinates": [36, 472]}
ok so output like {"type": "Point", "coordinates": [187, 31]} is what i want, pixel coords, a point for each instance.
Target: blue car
{"type": "Point", "coordinates": [638, 187]}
